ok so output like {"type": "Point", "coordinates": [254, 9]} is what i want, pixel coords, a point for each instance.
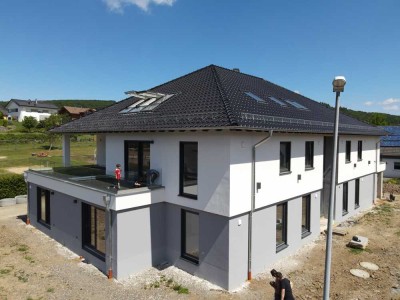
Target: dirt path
{"type": "Point", "coordinates": [33, 266]}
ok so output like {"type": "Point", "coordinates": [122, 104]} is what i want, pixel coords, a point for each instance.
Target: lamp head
{"type": "Point", "coordinates": [338, 83]}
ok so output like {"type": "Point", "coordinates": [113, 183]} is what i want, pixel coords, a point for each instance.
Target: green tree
{"type": "Point", "coordinates": [378, 119]}
{"type": "Point", "coordinates": [29, 123]}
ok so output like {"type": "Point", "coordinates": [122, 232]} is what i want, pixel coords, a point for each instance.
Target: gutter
{"type": "Point", "coordinates": [253, 200]}
{"type": "Point", "coordinates": [107, 202]}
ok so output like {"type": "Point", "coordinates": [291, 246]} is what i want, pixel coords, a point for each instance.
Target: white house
{"type": "Point", "coordinates": [390, 151]}
{"type": "Point", "coordinates": [40, 110]}
{"type": "Point", "coordinates": [243, 178]}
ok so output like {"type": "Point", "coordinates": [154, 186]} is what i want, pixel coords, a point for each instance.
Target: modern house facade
{"type": "Point", "coordinates": [40, 110]}
{"type": "Point", "coordinates": [390, 151]}
{"type": "Point", "coordinates": [242, 178]}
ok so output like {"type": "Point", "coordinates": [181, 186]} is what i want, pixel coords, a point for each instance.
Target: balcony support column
{"type": "Point", "coordinates": [66, 148]}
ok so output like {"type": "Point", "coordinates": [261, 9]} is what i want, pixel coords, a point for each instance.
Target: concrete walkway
{"type": "Point", "coordinates": [12, 211]}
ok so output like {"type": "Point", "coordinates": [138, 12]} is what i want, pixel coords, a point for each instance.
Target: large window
{"type": "Point", "coordinates": [94, 230]}
{"type": "Point", "coordinates": [359, 150]}
{"type": "Point", "coordinates": [281, 226]}
{"type": "Point", "coordinates": [345, 203]}
{"type": "Point", "coordinates": [348, 151]}
{"type": "Point", "coordinates": [137, 160]}
{"type": "Point", "coordinates": [396, 165]}
{"type": "Point", "coordinates": [305, 215]}
{"type": "Point", "coordinates": [357, 194]}
{"type": "Point", "coordinates": [190, 236]}
{"type": "Point", "coordinates": [284, 157]}
{"type": "Point", "coordinates": [309, 154]}
{"type": "Point", "coordinates": [43, 206]}
{"type": "Point", "coordinates": [188, 169]}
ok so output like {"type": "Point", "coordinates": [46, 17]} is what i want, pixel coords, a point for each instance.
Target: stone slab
{"type": "Point", "coordinates": [369, 265]}
{"type": "Point", "coordinates": [361, 244]}
{"type": "Point", "coordinates": [359, 273]}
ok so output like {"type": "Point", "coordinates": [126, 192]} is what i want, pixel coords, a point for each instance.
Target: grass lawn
{"type": "Point", "coordinates": [27, 154]}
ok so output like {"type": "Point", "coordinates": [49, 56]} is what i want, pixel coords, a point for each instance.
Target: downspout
{"type": "Point", "coordinates": [107, 202]}
{"type": "Point", "coordinates": [253, 199]}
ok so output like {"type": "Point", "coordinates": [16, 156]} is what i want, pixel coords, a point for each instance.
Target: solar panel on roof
{"type": "Point", "coordinates": [255, 97]}
{"type": "Point", "coordinates": [296, 104]}
{"type": "Point", "coordinates": [281, 103]}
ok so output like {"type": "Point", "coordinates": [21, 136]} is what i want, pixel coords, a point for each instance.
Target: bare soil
{"type": "Point", "coordinates": [33, 266]}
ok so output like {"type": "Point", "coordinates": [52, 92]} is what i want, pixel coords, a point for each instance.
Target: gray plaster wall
{"type": "Point", "coordinates": [213, 244]}
{"type": "Point", "coordinates": [367, 196]}
{"type": "Point", "coordinates": [66, 223]}
{"type": "Point", "coordinates": [140, 241]}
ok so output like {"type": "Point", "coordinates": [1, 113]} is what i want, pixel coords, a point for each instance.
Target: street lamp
{"type": "Point", "coordinates": [338, 86]}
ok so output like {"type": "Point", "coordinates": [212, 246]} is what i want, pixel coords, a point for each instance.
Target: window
{"type": "Point", "coordinates": [255, 97]}
{"type": "Point", "coordinates": [305, 215]}
{"type": "Point", "coordinates": [345, 203]}
{"type": "Point", "coordinates": [188, 169]}
{"type": "Point", "coordinates": [137, 160]}
{"type": "Point", "coordinates": [43, 204]}
{"type": "Point", "coordinates": [297, 105]}
{"type": "Point", "coordinates": [190, 236]}
{"type": "Point", "coordinates": [357, 194]}
{"type": "Point", "coordinates": [309, 154]}
{"type": "Point", "coordinates": [94, 230]}
{"type": "Point", "coordinates": [284, 157]}
{"type": "Point", "coordinates": [359, 150]}
{"type": "Point", "coordinates": [11, 110]}
{"type": "Point", "coordinates": [281, 103]}
{"type": "Point", "coordinates": [281, 226]}
{"type": "Point", "coordinates": [397, 165]}
{"type": "Point", "coordinates": [348, 151]}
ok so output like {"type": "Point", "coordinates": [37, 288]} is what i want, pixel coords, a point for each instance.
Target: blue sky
{"type": "Point", "coordinates": [97, 49]}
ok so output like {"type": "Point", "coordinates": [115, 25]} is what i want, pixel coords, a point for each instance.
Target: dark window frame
{"type": "Point", "coordinates": [284, 157]}
{"type": "Point", "coordinates": [283, 244]}
{"type": "Point", "coordinates": [183, 173]}
{"type": "Point", "coordinates": [140, 144]}
{"type": "Point", "coordinates": [47, 219]}
{"type": "Point", "coordinates": [306, 230]}
{"type": "Point", "coordinates": [359, 150]}
{"type": "Point", "coordinates": [396, 165]}
{"type": "Point", "coordinates": [345, 199]}
{"type": "Point", "coordinates": [86, 231]}
{"type": "Point", "coordinates": [357, 193]}
{"type": "Point", "coordinates": [309, 155]}
{"type": "Point", "coordinates": [348, 151]}
{"type": "Point", "coordinates": [184, 253]}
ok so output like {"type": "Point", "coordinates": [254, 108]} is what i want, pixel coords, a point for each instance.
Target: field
{"type": "Point", "coordinates": [18, 157]}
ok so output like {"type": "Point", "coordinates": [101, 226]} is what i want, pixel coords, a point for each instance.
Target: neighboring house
{"type": "Point", "coordinates": [40, 110]}
{"type": "Point", "coordinates": [75, 112]}
{"type": "Point", "coordinates": [4, 111]}
{"type": "Point", "coordinates": [390, 151]}
{"type": "Point", "coordinates": [244, 177]}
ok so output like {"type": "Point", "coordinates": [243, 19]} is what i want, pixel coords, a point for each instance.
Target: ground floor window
{"type": "Point", "coordinates": [190, 236]}
{"type": "Point", "coordinates": [345, 204]}
{"type": "Point", "coordinates": [397, 165]}
{"type": "Point", "coordinates": [94, 230]}
{"type": "Point", "coordinates": [281, 226]}
{"type": "Point", "coordinates": [305, 215]}
{"type": "Point", "coordinates": [357, 194]}
{"type": "Point", "coordinates": [43, 206]}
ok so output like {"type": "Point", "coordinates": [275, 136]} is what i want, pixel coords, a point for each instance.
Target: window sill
{"type": "Point", "coordinates": [281, 247]}
{"type": "Point", "coordinates": [356, 206]}
{"type": "Point", "coordinates": [44, 224]}
{"type": "Point", "coordinates": [285, 172]}
{"type": "Point", "coordinates": [94, 252]}
{"type": "Point", "coordinates": [348, 161]}
{"type": "Point", "coordinates": [190, 260]}
{"type": "Point", "coordinates": [359, 159]}
{"type": "Point", "coordinates": [309, 168]}
{"type": "Point", "coordinates": [344, 213]}
{"type": "Point", "coordinates": [194, 197]}
{"type": "Point", "coordinates": [305, 234]}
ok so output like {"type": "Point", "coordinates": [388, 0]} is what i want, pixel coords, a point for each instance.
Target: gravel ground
{"type": "Point", "coordinates": [34, 266]}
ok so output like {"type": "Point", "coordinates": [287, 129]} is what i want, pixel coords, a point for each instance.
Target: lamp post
{"type": "Point", "coordinates": [338, 86]}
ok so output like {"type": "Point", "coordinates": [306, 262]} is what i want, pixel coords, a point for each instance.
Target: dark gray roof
{"type": "Point", "coordinates": [33, 103]}
{"type": "Point", "coordinates": [215, 97]}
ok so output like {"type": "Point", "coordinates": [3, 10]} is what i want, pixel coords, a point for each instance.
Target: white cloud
{"type": "Point", "coordinates": [368, 103]}
{"type": "Point", "coordinates": [391, 107]}
{"type": "Point", "coordinates": [390, 101]}
{"type": "Point", "coordinates": [118, 5]}
{"type": "Point", "coordinates": [391, 104]}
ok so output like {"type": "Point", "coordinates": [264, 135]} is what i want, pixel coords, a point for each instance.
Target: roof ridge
{"type": "Point", "coordinates": [225, 100]}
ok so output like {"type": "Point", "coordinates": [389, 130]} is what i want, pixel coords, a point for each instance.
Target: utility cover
{"type": "Point", "coordinates": [359, 273]}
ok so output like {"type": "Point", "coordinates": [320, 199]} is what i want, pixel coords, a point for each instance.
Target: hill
{"type": "Point", "coordinates": [76, 103]}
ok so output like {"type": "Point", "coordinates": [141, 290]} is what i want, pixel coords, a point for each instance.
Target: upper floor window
{"type": "Point", "coordinates": [94, 230]}
{"type": "Point", "coordinates": [43, 206]}
{"type": "Point", "coordinates": [309, 155]}
{"type": "Point", "coordinates": [348, 151]}
{"type": "Point", "coordinates": [305, 215]}
{"type": "Point", "coordinates": [396, 165]}
{"type": "Point", "coordinates": [284, 157]}
{"type": "Point", "coordinates": [281, 226]}
{"type": "Point", "coordinates": [190, 235]}
{"type": "Point", "coordinates": [345, 200]}
{"type": "Point", "coordinates": [188, 169]}
{"type": "Point", "coordinates": [359, 150]}
{"type": "Point", "coordinates": [137, 161]}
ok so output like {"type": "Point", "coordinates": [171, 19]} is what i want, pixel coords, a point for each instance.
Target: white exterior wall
{"type": "Point", "coordinates": [101, 150]}
{"type": "Point", "coordinates": [390, 172]}
{"type": "Point", "coordinates": [213, 166]}
{"type": "Point", "coordinates": [369, 164]}
{"type": "Point", "coordinates": [274, 187]}
{"type": "Point", "coordinates": [24, 111]}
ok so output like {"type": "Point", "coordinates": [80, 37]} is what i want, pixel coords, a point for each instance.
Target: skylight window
{"type": "Point", "coordinates": [255, 97]}
{"type": "Point", "coordinates": [296, 104]}
{"type": "Point", "coordinates": [148, 102]}
{"type": "Point", "coordinates": [281, 103]}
